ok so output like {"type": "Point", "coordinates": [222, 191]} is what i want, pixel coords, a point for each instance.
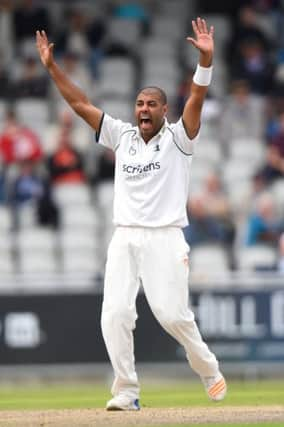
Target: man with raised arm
{"type": "Point", "coordinates": [151, 191]}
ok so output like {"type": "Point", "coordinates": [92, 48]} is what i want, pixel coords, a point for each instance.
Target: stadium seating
{"type": "Point", "coordinates": [160, 27]}
{"type": "Point", "coordinates": [78, 240]}
{"type": "Point", "coordinates": [80, 262]}
{"type": "Point", "coordinates": [170, 9]}
{"type": "Point", "coordinates": [153, 54]}
{"type": "Point", "coordinates": [33, 113]}
{"type": "Point", "coordinates": [125, 32]}
{"type": "Point", "coordinates": [80, 217]}
{"type": "Point", "coordinates": [118, 108]}
{"type": "Point", "coordinates": [247, 150]}
{"type": "Point", "coordinates": [158, 48]}
{"type": "Point", "coordinates": [277, 191]}
{"type": "Point", "coordinates": [72, 194]}
{"type": "Point", "coordinates": [79, 249]}
{"type": "Point", "coordinates": [6, 264]}
{"type": "Point", "coordinates": [257, 257]}
{"type": "Point", "coordinates": [5, 219]}
{"type": "Point", "coordinates": [35, 262]}
{"type": "Point", "coordinates": [209, 151]}
{"type": "Point", "coordinates": [117, 78]}
{"type": "Point", "coordinates": [3, 107]}
{"type": "Point", "coordinates": [36, 239]}
{"type": "Point", "coordinates": [206, 259]}
{"type": "Point", "coordinates": [236, 172]}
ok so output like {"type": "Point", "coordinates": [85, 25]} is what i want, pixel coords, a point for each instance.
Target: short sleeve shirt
{"type": "Point", "coordinates": [151, 180]}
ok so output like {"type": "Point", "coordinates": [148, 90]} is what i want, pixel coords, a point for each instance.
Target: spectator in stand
{"type": "Point", "coordinates": [246, 27]}
{"type": "Point", "coordinates": [27, 186]}
{"type": "Point", "coordinates": [243, 114]}
{"type": "Point", "coordinates": [6, 33]}
{"type": "Point", "coordinates": [18, 143]}
{"type": "Point", "coordinates": [274, 107]}
{"type": "Point", "coordinates": [28, 17]}
{"type": "Point", "coordinates": [218, 206]}
{"type": "Point", "coordinates": [259, 186]}
{"type": "Point", "coordinates": [183, 92]}
{"type": "Point", "coordinates": [105, 167]}
{"type": "Point", "coordinates": [83, 36]}
{"type": "Point", "coordinates": [31, 82]}
{"type": "Point", "coordinates": [211, 107]}
{"type": "Point", "coordinates": [132, 10]}
{"type": "Point", "coordinates": [3, 192]}
{"type": "Point", "coordinates": [254, 65]}
{"type": "Point", "coordinates": [203, 227]}
{"type": "Point", "coordinates": [279, 72]}
{"type": "Point", "coordinates": [31, 188]}
{"type": "Point", "coordinates": [5, 89]}
{"type": "Point", "coordinates": [74, 36]}
{"type": "Point", "coordinates": [66, 164]}
{"type": "Point", "coordinates": [78, 72]}
{"type": "Point", "coordinates": [270, 18]}
{"type": "Point", "coordinates": [6, 46]}
{"type": "Point", "coordinates": [280, 263]}
{"type": "Point", "coordinates": [104, 184]}
{"type": "Point", "coordinates": [274, 167]}
{"type": "Point", "coordinates": [263, 225]}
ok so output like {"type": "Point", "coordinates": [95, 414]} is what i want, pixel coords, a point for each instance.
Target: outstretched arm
{"type": "Point", "coordinates": [77, 100]}
{"type": "Point", "coordinates": [203, 41]}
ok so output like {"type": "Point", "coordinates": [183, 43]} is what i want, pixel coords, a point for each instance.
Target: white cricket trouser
{"type": "Point", "coordinates": [159, 258]}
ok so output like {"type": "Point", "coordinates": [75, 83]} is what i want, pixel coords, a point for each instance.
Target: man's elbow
{"type": "Point", "coordinates": [79, 107]}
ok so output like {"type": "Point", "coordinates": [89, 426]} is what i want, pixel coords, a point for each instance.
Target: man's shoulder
{"type": "Point", "coordinates": [109, 118]}
{"type": "Point", "coordinates": [174, 126]}
{"type": "Point", "coordinates": [123, 126]}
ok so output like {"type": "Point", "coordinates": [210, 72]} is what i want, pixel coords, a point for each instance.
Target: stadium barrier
{"type": "Point", "coordinates": [240, 325]}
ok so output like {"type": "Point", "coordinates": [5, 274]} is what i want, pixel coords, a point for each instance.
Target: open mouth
{"type": "Point", "coordinates": [145, 122]}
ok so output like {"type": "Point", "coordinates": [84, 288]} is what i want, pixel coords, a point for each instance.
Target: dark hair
{"type": "Point", "coordinates": [158, 90]}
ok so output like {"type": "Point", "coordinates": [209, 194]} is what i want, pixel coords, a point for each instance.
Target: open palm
{"type": "Point", "coordinates": [203, 37]}
{"type": "Point", "coordinates": [44, 48]}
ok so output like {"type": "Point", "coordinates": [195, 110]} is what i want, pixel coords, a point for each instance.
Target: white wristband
{"type": "Point", "coordinates": [203, 75]}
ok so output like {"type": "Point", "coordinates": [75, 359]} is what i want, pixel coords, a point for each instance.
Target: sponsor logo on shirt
{"type": "Point", "coordinates": [132, 151]}
{"type": "Point", "coordinates": [140, 171]}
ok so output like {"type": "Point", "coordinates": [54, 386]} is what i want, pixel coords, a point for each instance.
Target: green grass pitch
{"type": "Point", "coordinates": [184, 394]}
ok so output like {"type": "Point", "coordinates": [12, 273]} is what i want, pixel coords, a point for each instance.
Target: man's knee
{"type": "Point", "coordinates": [116, 318]}
{"type": "Point", "coordinates": [173, 320]}
{"type": "Point", "coordinates": [166, 318]}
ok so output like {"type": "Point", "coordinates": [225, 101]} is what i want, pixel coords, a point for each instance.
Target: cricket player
{"type": "Point", "coordinates": [151, 192]}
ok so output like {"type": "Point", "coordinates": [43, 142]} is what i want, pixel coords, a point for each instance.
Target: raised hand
{"type": "Point", "coordinates": [44, 48]}
{"type": "Point", "coordinates": [203, 37]}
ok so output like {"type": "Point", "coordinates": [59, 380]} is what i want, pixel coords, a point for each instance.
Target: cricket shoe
{"type": "Point", "coordinates": [122, 403]}
{"type": "Point", "coordinates": [215, 386]}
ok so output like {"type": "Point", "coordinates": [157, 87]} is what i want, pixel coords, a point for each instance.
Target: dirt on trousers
{"type": "Point", "coordinates": [145, 417]}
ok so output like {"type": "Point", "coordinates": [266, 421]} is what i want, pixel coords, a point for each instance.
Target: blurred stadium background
{"type": "Point", "coordinates": [56, 185]}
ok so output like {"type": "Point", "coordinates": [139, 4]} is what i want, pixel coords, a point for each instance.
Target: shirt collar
{"type": "Point", "coordinates": [163, 128]}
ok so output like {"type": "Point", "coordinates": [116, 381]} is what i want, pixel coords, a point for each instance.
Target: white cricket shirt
{"type": "Point", "coordinates": [151, 182]}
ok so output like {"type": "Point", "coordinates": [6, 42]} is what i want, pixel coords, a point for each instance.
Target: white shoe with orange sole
{"type": "Point", "coordinates": [216, 387]}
